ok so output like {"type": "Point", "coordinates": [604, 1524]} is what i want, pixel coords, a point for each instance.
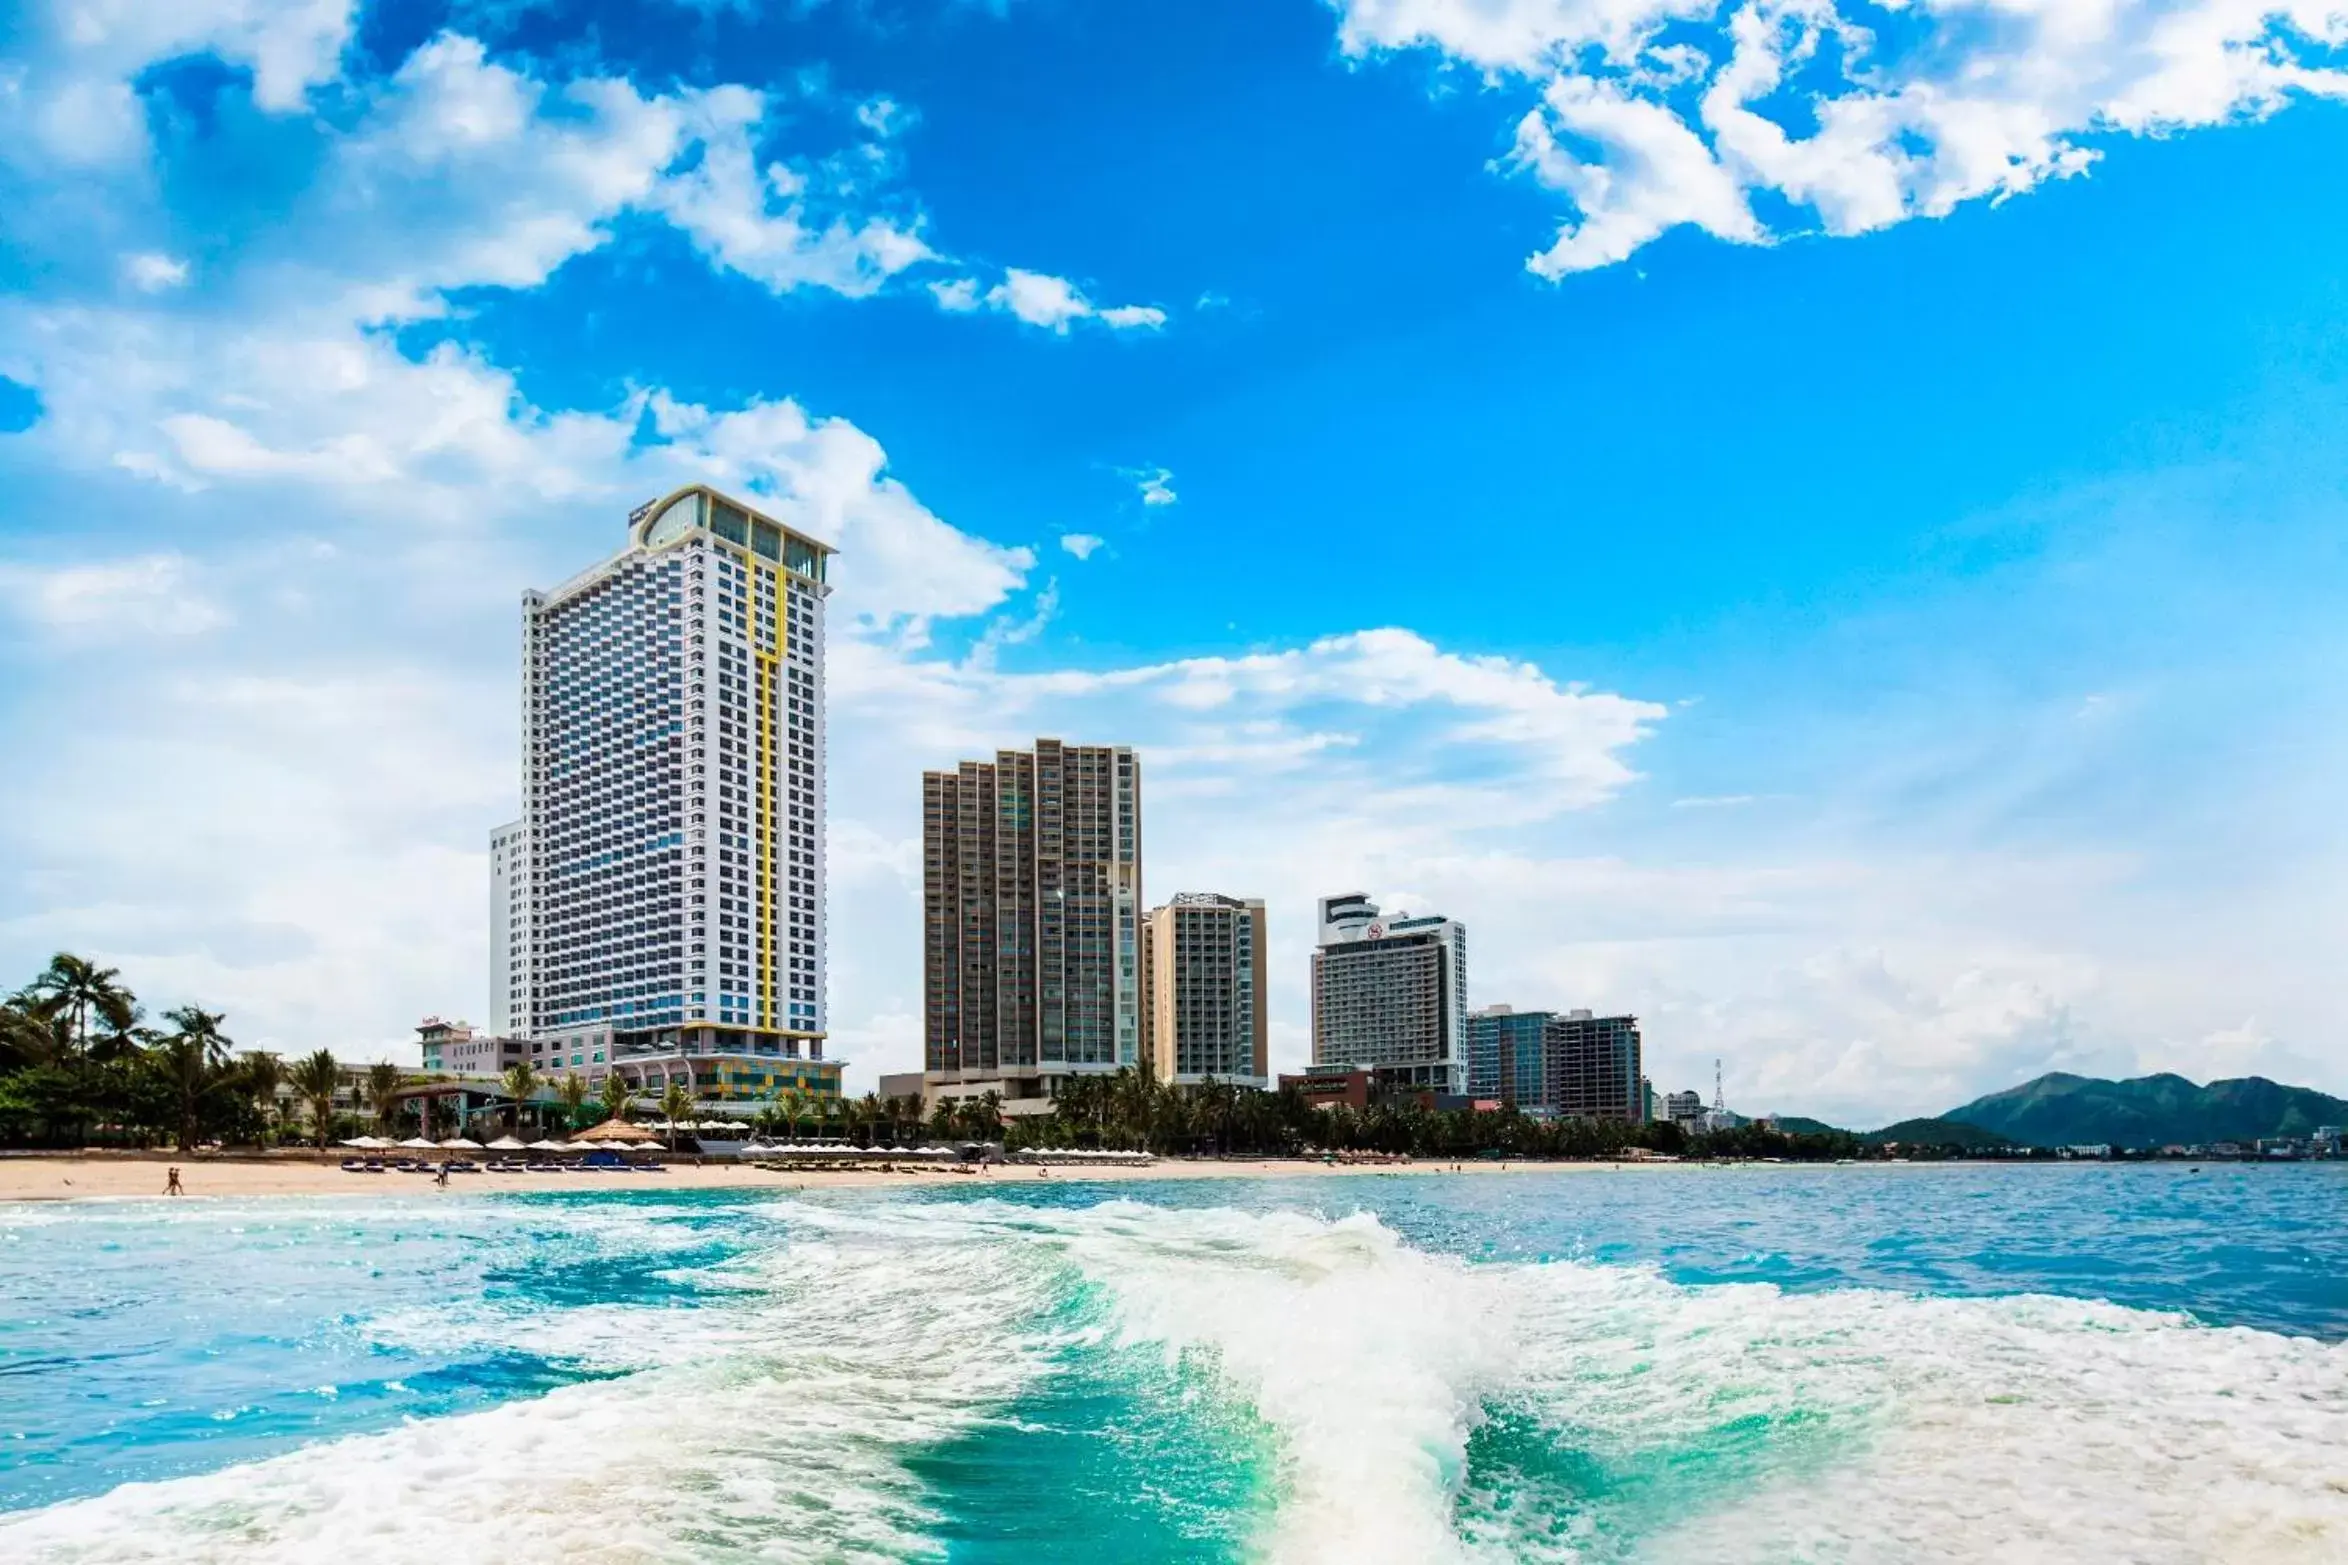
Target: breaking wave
{"type": "Point", "coordinates": [859, 1381]}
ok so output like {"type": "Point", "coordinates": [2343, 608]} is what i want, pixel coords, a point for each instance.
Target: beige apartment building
{"type": "Point", "coordinates": [1202, 974]}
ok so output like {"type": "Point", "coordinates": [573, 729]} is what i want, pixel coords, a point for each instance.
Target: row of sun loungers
{"type": "Point", "coordinates": [355, 1165]}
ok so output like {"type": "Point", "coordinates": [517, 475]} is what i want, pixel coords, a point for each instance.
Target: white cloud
{"type": "Point", "coordinates": [1081, 545]}
{"type": "Point", "coordinates": [757, 219]}
{"type": "Point", "coordinates": [1156, 485]}
{"type": "Point", "coordinates": [1055, 303]}
{"type": "Point", "coordinates": [151, 272]}
{"type": "Point", "coordinates": [153, 595]}
{"type": "Point", "coordinates": [73, 102]}
{"type": "Point", "coordinates": [1656, 114]}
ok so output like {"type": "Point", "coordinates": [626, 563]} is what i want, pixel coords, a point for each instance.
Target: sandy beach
{"type": "Point", "coordinates": [73, 1178]}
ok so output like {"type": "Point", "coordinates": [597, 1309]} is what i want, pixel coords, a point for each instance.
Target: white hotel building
{"type": "Point", "coordinates": [659, 908]}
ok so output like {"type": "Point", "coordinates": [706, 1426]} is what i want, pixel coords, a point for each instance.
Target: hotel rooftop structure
{"type": "Point", "coordinates": [1390, 996]}
{"type": "Point", "coordinates": [659, 908]}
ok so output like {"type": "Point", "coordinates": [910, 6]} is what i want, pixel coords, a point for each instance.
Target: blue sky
{"type": "Point", "coordinates": [1819, 525]}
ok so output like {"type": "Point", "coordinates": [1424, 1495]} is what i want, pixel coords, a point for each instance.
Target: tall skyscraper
{"type": "Point", "coordinates": [1507, 1055]}
{"type": "Point", "coordinates": [673, 794]}
{"type": "Point", "coordinates": [509, 930]}
{"type": "Point", "coordinates": [1547, 1063]}
{"type": "Point", "coordinates": [1202, 982]}
{"type": "Point", "coordinates": [1390, 995]}
{"type": "Point", "coordinates": [1595, 1067]}
{"type": "Point", "coordinates": [1031, 921]}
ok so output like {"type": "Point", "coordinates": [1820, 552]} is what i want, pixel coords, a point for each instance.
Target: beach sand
{"type": "Point", "coordinates": [72, 1178]}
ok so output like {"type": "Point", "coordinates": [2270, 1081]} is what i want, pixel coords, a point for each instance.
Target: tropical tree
{"type": "Point", "coordinates": [194, 1060]}
{"type": "Point", "coordinates": [260, 1073]}
{"type": "Point", "coordinates": [383, 1084]}
{"type": "Point", "coordinates": [520, 1081]}
{"type": "Point", "coordinates": [29, 1034]}
{"type": "Point", "coordinates": [315, 1079]}
{"type": "Point", "coordinates": [570, 1090]}
{"type": "Point", "coordinates": [794, 1105]}
{"type": "Point", "coordinates": [942, 1119]}
{"type": "Point", "coordinates": [676, 1101]}
{"type": "Point", "coordinates": [618, 1095]}
{"type": "Point", "coordinates": [81, 992]}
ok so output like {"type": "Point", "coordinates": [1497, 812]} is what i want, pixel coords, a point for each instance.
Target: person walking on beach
{"type": "Point", "coordinates": [171, 1184]}
{"type": "Point", "coordinates": [441, 1179]}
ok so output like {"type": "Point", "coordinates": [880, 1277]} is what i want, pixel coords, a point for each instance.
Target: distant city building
{"type": "Point", "coordinates": [1391, 995]}
{"type": "Point", "coordinates": [1684, 1109]}
{"type": "Point", "coordinates": [1330, 1086]}
{"type": "Point", "coordinates": [1508, 1055]}
{"type": "Point", "coordinates": [455, 1049]}
{"type": "Point", "coordinates": [671, 853]}
{"type": "Point", "coordinates": [1550, 1062]}
{"type": "Point", "coordinates": [1203, 1013]}
{"type": "Point", "coordinates": [1031, 921]}
{"type": "Point", "coordinates": [1594, 1067]}
{"type": "Point", "coordinates": [901, 1084]}
{"type": "Point", "coordinates": [509, 929]}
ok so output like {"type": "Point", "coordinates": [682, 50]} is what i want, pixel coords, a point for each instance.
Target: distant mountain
{"type": "Point", "coordinates": [1795, 1125]}
{"type": "Point", "coordinates": [2063, 1110]}
{"type": "Point", "coordinates": [1942, 1132]}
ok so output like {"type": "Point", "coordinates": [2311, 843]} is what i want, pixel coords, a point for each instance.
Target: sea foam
{"type": "Point", "coordinates": [1415, 1407]}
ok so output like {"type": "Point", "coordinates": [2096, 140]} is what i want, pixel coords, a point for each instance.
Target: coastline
{"type": "Point", "coordinates": [67, 1177]}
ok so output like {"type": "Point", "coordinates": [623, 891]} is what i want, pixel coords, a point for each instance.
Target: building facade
{"type": "Point", "coordinates": [1595, 1069]}
{"type": "Point", "coordinates": [509, 930]}
{"type": "Point", "coordinates": [671, 858]}
{"type": "Point", "coordinates": [1391, 995]}
{"type": "Point", "coordinates": [456, 1049]}
{"type": "Point", "coordinates": [1203, 1014]}
{"type": "Point", "coordinates": [1031, 921]}
{"type": "Point", "coordinates": [1508, 1054]}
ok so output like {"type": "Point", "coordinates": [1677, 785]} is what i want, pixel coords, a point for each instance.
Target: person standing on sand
{"type": "Point", "coordinates": [171, 1184]}
{"type": "Point", "coordinates": [441, 1179]}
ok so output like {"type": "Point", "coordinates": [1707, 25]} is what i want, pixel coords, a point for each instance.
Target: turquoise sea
{"type": "Point", "coordinates": [1856, 1364]}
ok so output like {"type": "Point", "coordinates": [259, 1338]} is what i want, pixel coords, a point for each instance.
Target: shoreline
{"type": "Point", "coordinates": [53, 1177]}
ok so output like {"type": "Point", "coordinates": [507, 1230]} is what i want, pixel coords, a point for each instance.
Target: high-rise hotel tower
{"type": "Point", "coordinates": [1031, 921]}
{"type": "Point", "coordinates": [664, 891]}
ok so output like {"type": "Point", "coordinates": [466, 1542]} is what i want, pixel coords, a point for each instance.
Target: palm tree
{"type": "Point", "coordinates": [676, 1101]}
{"type": "Point", "coordinates": [29, 1034]}
{"type": "Point", "coordinates": [570, 1090]}
{"type": "Point", "coordinates": [74, 987]}
{"type": "Point", "coordinates": [316, 1079]}
{"type": "Point", "coordinates": [618, 1095]}
{"type": "Point", "coordinates": [260, 1072]}
{"type": "Point", "coordinates": [383, 1084]}
{"type": "Point", "coordinates": [520, 1081]}
{"type": "Point", "coordinates": [794, 1105]}
{"type": "Point", "coordinates": [193, 1058]}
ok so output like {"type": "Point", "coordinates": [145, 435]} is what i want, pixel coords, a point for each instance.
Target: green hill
{"type": "Point", "coordinates": [2151, 1111]}
{"type": "Point", "coordinates": [1942, 1132]}
{"type": "Point", "coordinates": [1795, 1125]}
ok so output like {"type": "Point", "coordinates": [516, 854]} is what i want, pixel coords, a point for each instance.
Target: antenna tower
{"type": "Point", "coordinates": [1719, 1098]}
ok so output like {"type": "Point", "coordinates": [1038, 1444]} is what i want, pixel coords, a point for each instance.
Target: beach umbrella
{"type": "Point", "coordinates": [613, 1132]}
{"type": "Point", "coordinates": [717, 1124]}
{"type": "Point", "coordinates": [420, 1144]}
{"type": "Point", "coordinates": [506, 1144]}
{"type": "Point", "coordinates": [358, 1141]}
{"type": "Point", "coordinates": [460, 1144]}
{"type": "Point", "coordinates": [548, 1146]}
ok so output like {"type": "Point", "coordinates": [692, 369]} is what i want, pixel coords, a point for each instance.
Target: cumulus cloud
{"type": "Point", "coordinates": [151, 272]}
{"type": "Point", "coordinates": [146, 595]}
{"type": "Point", "coordinates": [1081, 545]}
{"type": "Point", "coordinates": [1040, 299]}
{"type": "Point", "coordinates": [74, 101]}
{"type": "Point", "coordinates": [1656, 114]}
{"type": "Point", "coordinates": [1155, 485]}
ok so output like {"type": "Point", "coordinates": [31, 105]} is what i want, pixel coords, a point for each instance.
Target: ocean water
{"type": "Point", "coordinates": [1841, 1364]}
